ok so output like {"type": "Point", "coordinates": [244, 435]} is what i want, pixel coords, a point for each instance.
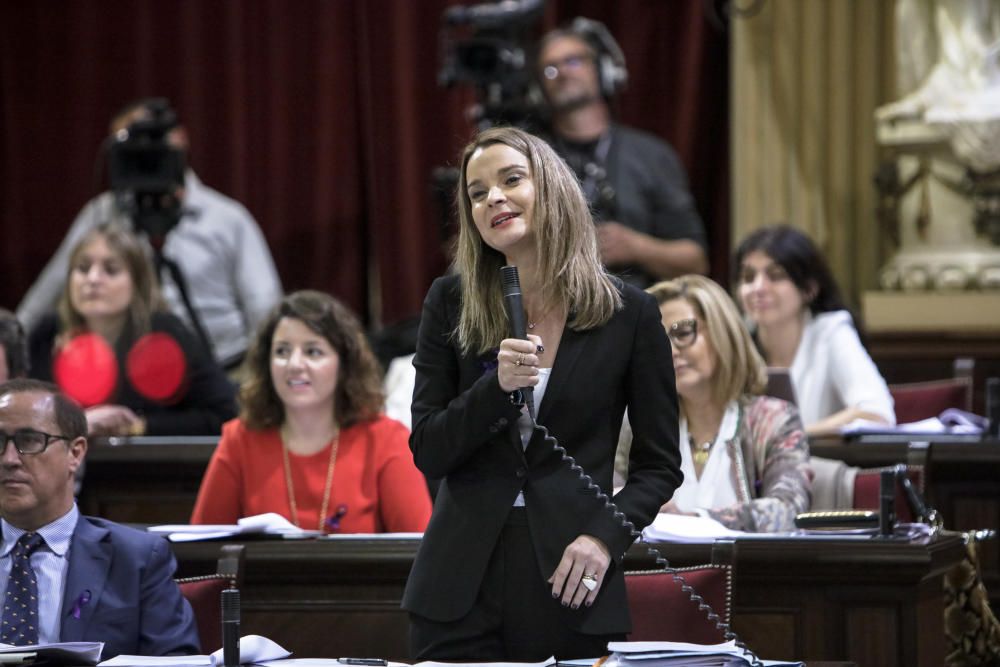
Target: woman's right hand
{"type": "Point", "coordinates": [517, 363]}
{"type": "Point", "coordinates": [111, 420]}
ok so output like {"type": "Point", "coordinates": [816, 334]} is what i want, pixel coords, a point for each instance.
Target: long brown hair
{"type": "Point", "coordinates": [569, 267]}
{"type": "Point", "coordinates": [358, 396]}
{"type": "Point", "coordinates": [145, 292]}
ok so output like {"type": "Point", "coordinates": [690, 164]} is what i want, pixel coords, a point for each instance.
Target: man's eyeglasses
{"type": "Point", "coordinates": [683, 333]}
{"type": "Point", "coordinates": [29, 441]}
{"type": "Point", "coordinates": [573, 61]}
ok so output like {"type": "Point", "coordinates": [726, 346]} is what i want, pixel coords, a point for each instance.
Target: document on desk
{"type": "Point", "coordinates": [159, 661]}
{"type": "Point", "coordinates": [950, 422]}
{"type": "Point", "coordinates": [544, 663]}
{"type": "Point", "coordinates": [681, 654]}
{"type": "Point", "coordinates": [254, 650]}
{"type": "Point", "coordinates": [60, 653]}
{"type": "Point", "coordinates": [319, 662]}
{"type": "Point", "coordinates": [259, 524]}
{"type": "Point", "coordinates": [668, 527]}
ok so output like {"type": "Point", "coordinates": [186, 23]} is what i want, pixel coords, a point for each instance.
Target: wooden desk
{"type": "Point", "coordinates": [877, 604]}
{"type": "Point", "coordinates": [962, 480]}
{"type": "Point", "coordinates": [148, 480]}
{"type": "Point", "coordinates": [910, 356]}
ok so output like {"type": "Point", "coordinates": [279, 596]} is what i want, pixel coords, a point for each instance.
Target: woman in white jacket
{"type": "Point", "coordinates": [800, 322]}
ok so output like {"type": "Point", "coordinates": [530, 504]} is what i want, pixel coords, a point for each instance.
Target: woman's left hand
{"type": "Point", "coordinates": [587, 557]}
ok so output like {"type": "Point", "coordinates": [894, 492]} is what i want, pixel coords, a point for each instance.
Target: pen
{"type": "Point", "coordinates": [373, 662]}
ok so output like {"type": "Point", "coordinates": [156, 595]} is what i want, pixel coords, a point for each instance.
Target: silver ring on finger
{"type": "Point", "coordinates": [589, 581]}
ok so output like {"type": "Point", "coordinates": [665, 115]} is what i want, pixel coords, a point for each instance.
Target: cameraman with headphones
{"type": "Point", "coordinates": [648, 227]}
{"type": "Point", "coordinates": [219, 251]}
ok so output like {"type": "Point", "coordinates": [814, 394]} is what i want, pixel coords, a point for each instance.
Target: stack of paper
{"type": "Point", "coordinates": [668, 527]}
{"type": "Point", "coordinates": [159, 661]}
{"type": "Point", "coordinates": [61, 653]}
{"type": "Point", "coordinates": [952, 422]}
{"type": "Point", "coordinates": [679, 654]}
{"type": "Point", "coordinates": [260, 524]}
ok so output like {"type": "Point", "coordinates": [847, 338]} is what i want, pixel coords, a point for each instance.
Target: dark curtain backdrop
{"type": "Point", "coordinates": [322, 116]}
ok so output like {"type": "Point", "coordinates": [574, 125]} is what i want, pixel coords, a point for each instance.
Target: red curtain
{"type": "Point", "coordinates": [323, 117]}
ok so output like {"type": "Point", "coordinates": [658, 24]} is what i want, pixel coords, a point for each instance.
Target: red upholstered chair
{"type": "Point", "coordinates": [205, 595]}
{"type": "Point", "coordinates": [866, 490]}
{"type": "Point", "coordinates": [921, 400]}
{"type": "Point", "coordinates": [661, 611]}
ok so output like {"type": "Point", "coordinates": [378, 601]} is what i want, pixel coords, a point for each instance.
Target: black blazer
{"type": "Point", "coordinates": [464, 432]}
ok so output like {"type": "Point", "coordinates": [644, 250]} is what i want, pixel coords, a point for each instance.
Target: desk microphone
{"type": "Point", "coordinates": [886, 504]}
{"type": "Point", "coordinates": [231, 627]}
{"type": "Point", "coordinates": [515, 315]}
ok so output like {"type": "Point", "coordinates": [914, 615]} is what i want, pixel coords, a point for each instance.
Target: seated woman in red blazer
{"type": "Point", "coordinates": [311, 443]}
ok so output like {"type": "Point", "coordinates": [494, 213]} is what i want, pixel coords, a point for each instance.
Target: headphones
{"type": "Point", "coordinates": [611, 70]}
{"type": "Point", "coordinates": [608, 59]}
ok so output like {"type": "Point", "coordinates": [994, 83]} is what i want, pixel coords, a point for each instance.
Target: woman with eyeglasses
{"type": "Point", "coordinates": [744, 455]}
{"type": "Point", "coordinates": [800, 322]}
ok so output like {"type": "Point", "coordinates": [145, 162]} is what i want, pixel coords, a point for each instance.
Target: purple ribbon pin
{"type": "Point", "coordinates": [80, 601]}
{"type": "Point", "coordinates": [333, 522]}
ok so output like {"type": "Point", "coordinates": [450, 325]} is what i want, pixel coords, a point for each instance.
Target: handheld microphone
{"type": "Point", "coordinates": [231, 627]}
{"type": "Point", "coordinates": [515, 315]}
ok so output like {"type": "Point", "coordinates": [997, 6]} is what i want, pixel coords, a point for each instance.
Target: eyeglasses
{"type": "Point", "coordinates": [573, 61]}
{"type": "Point", "coordinates": [683, 333]}
{"type": "Point", "coordinates": [29, 441]}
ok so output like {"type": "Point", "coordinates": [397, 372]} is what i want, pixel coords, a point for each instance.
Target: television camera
{"type": "Point", "coordinates": [488, 45]}
{"type": "Point", "coordinates": [147, 172]}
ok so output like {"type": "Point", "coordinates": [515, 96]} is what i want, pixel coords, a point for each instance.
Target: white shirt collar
{"type": "Point", "coordinates": [57, 535]}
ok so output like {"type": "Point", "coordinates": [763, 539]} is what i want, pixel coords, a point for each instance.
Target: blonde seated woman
{"type": "Point", "coordinates": [744, 456]}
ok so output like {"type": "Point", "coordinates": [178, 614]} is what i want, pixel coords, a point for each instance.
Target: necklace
{"type": "Point", "coordinates": [531, 325]}
{"type": "Point", "coordinates": [700, 451]}
{"type": "Point", "coordinates": [326, 488]}
{"type": "Point", "coordinates": [545, 313]}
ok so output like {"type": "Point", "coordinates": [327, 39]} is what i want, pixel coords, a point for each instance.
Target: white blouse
{"type": "Point", "coordinates": [832, 371]}
{"type": "Point", "coordinates": [715, 488]}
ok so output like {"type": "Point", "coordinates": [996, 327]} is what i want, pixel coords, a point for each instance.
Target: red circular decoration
{"type": "Point", "coordinates": [156, 367]}
{"type": "Point", "coordinates": [85, 368]}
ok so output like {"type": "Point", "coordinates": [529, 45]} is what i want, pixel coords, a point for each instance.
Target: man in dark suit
{"type": "Point", "coordinates": [91, 579]}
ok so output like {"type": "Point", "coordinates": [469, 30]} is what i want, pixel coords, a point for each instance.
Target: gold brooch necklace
{"type": "Point", "coordinates": [700, 451]}
{"type": "Point", "coordinates": [326, 487]}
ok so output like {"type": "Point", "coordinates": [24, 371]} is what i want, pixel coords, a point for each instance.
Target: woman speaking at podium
{"type": "Point", "coordinates": [520, 560]}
